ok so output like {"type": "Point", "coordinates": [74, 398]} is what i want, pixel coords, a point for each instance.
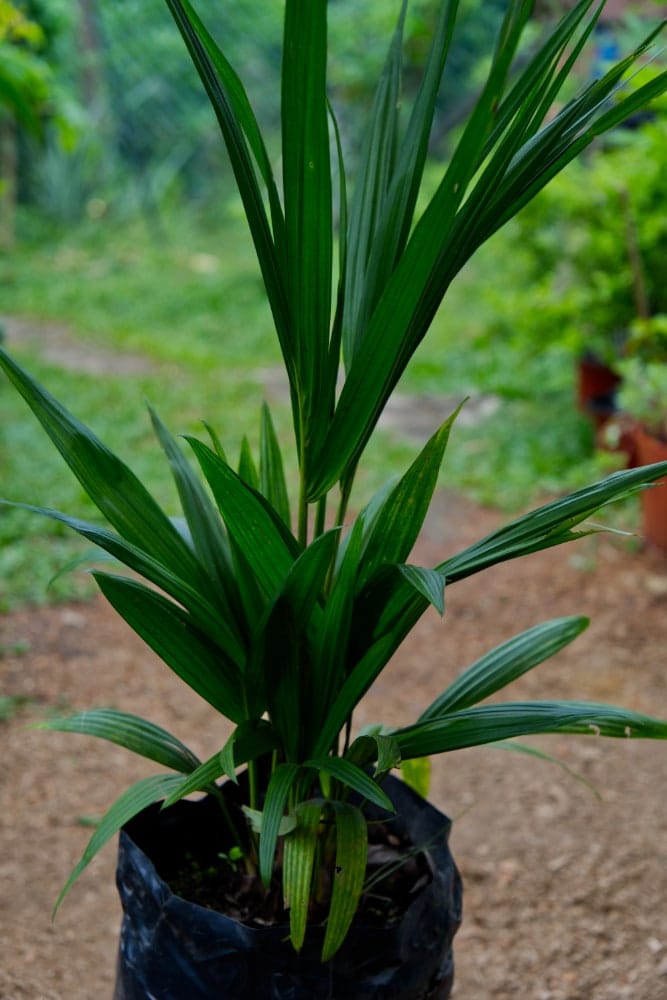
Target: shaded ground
{"type": "Point", "coordinates": [565, 893]}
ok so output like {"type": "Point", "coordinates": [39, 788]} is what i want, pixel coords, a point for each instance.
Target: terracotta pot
{"type": "Point", "coordinates": [650, 449]}
{"type": "Point", "coordinates": [597, 384]}
{"type": "Point", "coordinates": [171, 948]}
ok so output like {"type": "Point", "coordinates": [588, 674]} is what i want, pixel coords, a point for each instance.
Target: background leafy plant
{"type": "Point", "coordinates": [599, 242]}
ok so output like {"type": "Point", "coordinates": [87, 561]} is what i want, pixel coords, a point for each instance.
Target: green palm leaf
{"type": "Point", "coordinates": [351, 776]}
{"type": "Point", "coordinates": [505, 664]}
{"type": "Point", "coordinates": [129, 731]}
{"type": "Point", "coordinates": [277, 792]}
{"type": "Point", "coordinates": [197, 601]}
{"type": "Point", "coordinates": [308, 212]}
{"type": "Point", "coordinates": [298, 864]}
{"type": "Point", "coordinates": [251, 739]}
{"type": "Point", "coordinates": [350, 871]}
{"type": "Point", "coordinates": [170, 632]}
{"type": "Point", "coordinates": [490, 723]}
{"type": "Point", "coordinates": [253, 525]}
{"type": "Point", "coordinates": [109, 483]}
{"type": "Point", "coordinates": [137, 797]}
{"type": "Point", "coordinates": [457, 221]}
{"type": "Point", "coordinates": [272, 482]}
{"type": "Point", "coordinates": [206, 529]}
{"type": "Point", "coordinates": [236, 120]}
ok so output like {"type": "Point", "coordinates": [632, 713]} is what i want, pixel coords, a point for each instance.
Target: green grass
{"type": "Point", "coordinates": [187, 302]}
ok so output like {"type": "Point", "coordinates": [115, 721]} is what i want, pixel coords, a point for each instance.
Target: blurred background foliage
{"type": "Point", "coordinates": [120, 237]}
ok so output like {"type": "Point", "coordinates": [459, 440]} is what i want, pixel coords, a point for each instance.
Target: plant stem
{"type": "Point", "coordinates": [345, 491]}
{"type": "Point", "coordinates": [321, 515]}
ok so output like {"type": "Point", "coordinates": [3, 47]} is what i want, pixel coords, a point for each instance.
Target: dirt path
{"type": "Point", "coordinates": [565, 892]}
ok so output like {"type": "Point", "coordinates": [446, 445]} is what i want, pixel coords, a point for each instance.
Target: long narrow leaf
{"type": "Point", "coordinates": [298, 863]}
{"type": "Point", "coordinates": [504, 664]}
{"type": "Point", "coordinates": [256, 529]}
{"type": "Point", "coordinates": [396, 611]}
{"type": "Point", "coordinates": [550, 524]}
{"type": "Point", "coordinates": [271, 471]}
{"type": "Point", "coordinates": [399, 518]}
{"type": "Point", "coordinates": [231, 109]}
{"type": "Point", "coordinates": [332, 638]}
{"type": "Point", "coordinates": [393, 227]}
{"type": "Point", "coordinates": [282, 668]}
{"type": "Point", "coordinates": [376, 169]}
{"type": "Point", "coordinates": [129, 731]}
{"type": "Point", "coordinates": [203, 520]}
{"type": "Point", "coordinates": [140, 795]}
{"type": "Point", "coordinates": [308, 206]}
{"type": "Point", "coordinates": [453, 226]}
{"type": "Point", "coordinates": [204, 613]}
{"type": "Point", "coordinates": [350, 775]}
{"type": "Point", "coordinates": [416, 287]}
{"type": "Point", "coordinates": [490, 723]}
{"type": "Point", "coordinates": [356, 685]}
{"type": "Point", "coordinates": [250, 740]}
{"type": "Point", "coordinates": [243, 112]}
{"type": "Point", "coordinates": [282, 780]}
{"type": "Point", "coordinates": [370, 747]}
{"type": "Point", "coordinates": [351, 852]}
{"type": "Point", "coordinates": [109, 483]}
{"type": "Point", "coordinates": [169, 631]}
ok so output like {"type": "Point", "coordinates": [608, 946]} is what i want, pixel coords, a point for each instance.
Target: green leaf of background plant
{"type": "Point", "coordinates": [129, 731]}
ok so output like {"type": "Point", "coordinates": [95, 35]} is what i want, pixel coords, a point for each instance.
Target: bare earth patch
{"type": "Point", "coordinates": [565, 892]}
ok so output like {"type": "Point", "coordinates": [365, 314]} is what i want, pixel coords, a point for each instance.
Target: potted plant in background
{"type": "Point", "coordinates": [599, 242]}
{"type": "Point", "coordinates": [282, 618]}
{"type": "Point", "coordinates": [641, 426]}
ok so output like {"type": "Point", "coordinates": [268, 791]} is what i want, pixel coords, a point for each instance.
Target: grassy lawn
{"type": "Point", "coordinates": [184, 304]}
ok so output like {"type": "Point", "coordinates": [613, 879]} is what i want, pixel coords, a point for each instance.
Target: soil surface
{"type": "Point", "coordinates": [565, 890]}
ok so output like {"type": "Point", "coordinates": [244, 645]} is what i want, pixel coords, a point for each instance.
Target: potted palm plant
{"type": "Point", "coordinates": [335, 876]}
{"type": "Point", "coordinates": [642, 422]}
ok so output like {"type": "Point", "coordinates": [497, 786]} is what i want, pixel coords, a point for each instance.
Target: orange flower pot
{"type": "Point", "coordinates": [650, 449]}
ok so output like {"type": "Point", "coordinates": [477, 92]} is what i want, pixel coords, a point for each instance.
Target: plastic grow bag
{"type": "Point", "coordinates": [172, 949]}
